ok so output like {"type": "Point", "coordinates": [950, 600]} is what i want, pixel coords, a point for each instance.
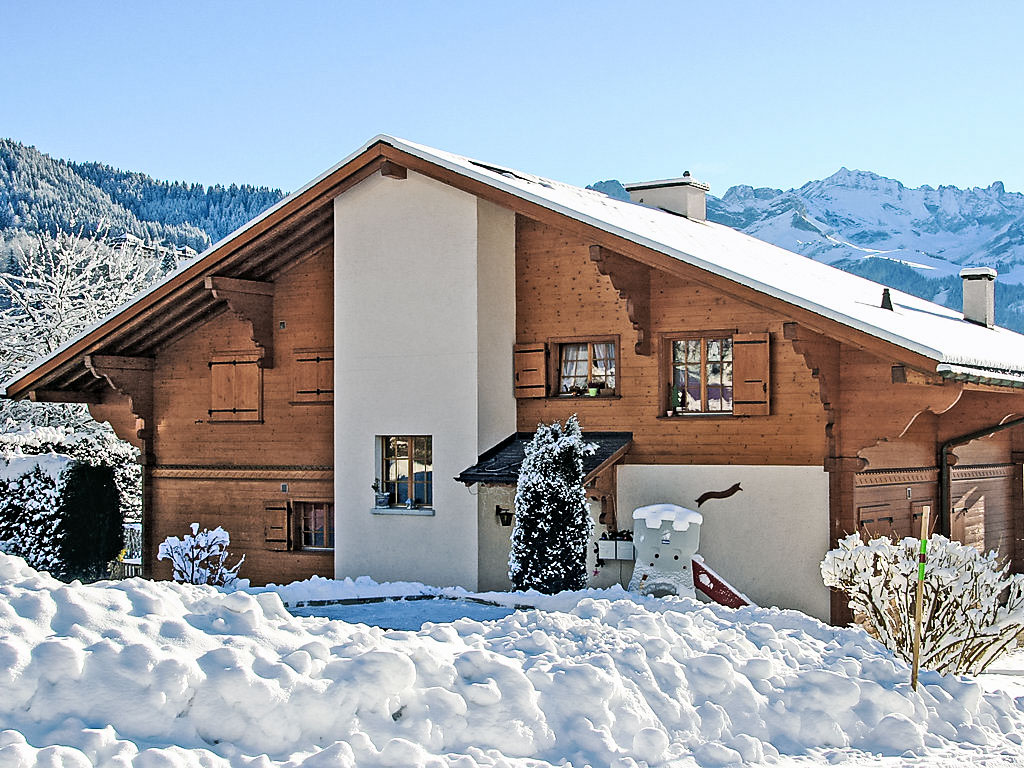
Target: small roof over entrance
{"type": "Point", "coordinates": [500, 465]}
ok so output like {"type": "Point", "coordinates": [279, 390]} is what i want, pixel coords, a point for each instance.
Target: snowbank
{"type": "Point", "coordinates": [161, 674]}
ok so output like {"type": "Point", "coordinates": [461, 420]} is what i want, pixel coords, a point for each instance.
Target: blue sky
{"type": "Point", "coordinates": [769, 94]}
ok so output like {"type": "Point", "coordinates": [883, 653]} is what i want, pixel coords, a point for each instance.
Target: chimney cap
{"type": "Point", "coordinates": [978, 273]}
{"type": "Point", "coordinates": [686, 180]}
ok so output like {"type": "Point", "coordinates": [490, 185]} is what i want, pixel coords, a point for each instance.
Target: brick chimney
{"type": "Point", "coordinates": [685, 196]}
{"type": "Point", "coordinates": [979, 295]}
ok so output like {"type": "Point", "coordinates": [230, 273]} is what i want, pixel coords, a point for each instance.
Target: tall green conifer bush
{"type": "Point", "coordinates": [552, 530]}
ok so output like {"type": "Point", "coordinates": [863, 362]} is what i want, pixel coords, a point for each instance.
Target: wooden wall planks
{"type": "Point", "coordinates": [291, 434]}
{"type": "Point", "coordinates": [561, 293]}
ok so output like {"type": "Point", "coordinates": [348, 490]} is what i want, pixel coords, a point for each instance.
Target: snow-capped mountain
{"type": "Point", "coordinates": [859, 215]}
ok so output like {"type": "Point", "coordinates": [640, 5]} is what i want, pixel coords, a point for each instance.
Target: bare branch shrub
{"type": "Point", "coordinates": [973, 605]}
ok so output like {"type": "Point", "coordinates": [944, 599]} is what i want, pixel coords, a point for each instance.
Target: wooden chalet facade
{"type": "Point", "coordinates": [407, 311]}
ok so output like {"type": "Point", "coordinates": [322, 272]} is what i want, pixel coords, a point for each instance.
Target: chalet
{"type": "Point", "coordinates": [410, 315]}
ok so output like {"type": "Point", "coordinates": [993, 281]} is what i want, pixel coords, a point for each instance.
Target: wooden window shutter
{"type": "Point", "coordinates": [314, 376]}
{"type": "Point", "coordinates": [236, 387]}
{"type": "Point", "coordinates": [277, 530]}
{"type": "Point", "coordinates": [531, 371]}
{"type": "Point", "coordinates": [751, 373]}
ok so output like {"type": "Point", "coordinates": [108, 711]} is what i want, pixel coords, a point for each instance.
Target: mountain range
{"type": "Point", "coordinates": [913, 239]}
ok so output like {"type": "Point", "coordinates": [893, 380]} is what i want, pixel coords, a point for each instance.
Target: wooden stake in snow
{"type": "Point", "coordinates": [918, 607]}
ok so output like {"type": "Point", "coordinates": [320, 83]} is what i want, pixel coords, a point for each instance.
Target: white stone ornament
{"type": "Point", "coordinates": [665, 538]}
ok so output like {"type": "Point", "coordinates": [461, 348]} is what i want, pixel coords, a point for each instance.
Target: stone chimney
{"type": "Point", "coordinates": [685, 196]}
{"type": "Point", "coordinates": [979, 295]}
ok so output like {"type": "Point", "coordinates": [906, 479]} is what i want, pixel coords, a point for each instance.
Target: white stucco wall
{"type": "Point", "coordinates": [407, 338]}
{"type": "Point", "coordinates": [767, 540]}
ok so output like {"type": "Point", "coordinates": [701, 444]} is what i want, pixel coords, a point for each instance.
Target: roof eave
{"type": "Point", "coordinates": [21, 384]}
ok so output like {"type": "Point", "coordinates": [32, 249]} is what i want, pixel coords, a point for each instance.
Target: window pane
{"type": "Point", "coordinates": [407, 468]}
{"type": "Point", "coordinates": [693, 389]}
{"type": "Point", "coordinates": [604, 363]}
{"type": "Point", "coordinates": [574, 367]}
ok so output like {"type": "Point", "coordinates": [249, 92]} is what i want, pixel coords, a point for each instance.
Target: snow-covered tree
{"type": "Point", "coordinates": [201, 558]}
{"type": "Point", "coordinates": [552, 529]}
{"type": "Point", "coordinates": [53, 289]}
{"type": "Point", "coordinates": [973, 605]}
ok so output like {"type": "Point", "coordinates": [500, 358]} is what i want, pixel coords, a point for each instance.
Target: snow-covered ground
{"type": "Point", "coordinates": [160, 674]}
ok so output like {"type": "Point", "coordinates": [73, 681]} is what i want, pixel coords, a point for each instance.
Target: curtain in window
{"type": "Point", "coordinates": [574, 367]}
{"type": "Point", "coordinates": [719, 374]}
{"type": "Point", "coordinates": [604, 363]}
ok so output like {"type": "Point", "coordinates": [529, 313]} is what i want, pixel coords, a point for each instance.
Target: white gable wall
{"type": "Point", "coordinates": [410, 293]}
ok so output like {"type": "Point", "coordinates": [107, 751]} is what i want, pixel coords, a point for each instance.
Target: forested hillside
{"type": "Point", "coordinates": [39, 194]}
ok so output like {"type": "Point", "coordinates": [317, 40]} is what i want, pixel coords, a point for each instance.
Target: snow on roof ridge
{"type": "Point", "coordinates": [932, 330]}
{"type": "Point", "coordinates": [662, 228]}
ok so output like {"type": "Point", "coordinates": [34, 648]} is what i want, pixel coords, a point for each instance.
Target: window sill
{"type": "Point", "coordinates": [316, 550]}
{"type": "Point", "coordinates": [310, 402]}
{"type": "Point", "coordinates": [584, 398]}
{"type": "Point", "coordinates": [234, 421]}
{"type": "Point", "coordinates": [415, 511]}
{"type": "Point", "coordinates": [697, 415]}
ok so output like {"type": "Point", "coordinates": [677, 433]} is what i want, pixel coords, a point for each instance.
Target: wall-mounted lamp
{"type": "Point", "coordinates": [504, 515]}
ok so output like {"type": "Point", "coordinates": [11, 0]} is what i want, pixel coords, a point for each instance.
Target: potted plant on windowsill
{"type": "Point", "coordinates": [594, 388]}
{"type": "Point", "coordinates": [381, 498]}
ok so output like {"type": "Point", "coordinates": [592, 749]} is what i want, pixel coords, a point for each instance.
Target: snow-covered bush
{"type": "Point", "coordinates": [59, 514]}
{"type": "Point", "coordinates": [30, 509]}
{"type": "Point", "coordinates": [973, 606]}
{"type": "Point", "coordinates": [552, 529]}
{"type": "Point", "coordinates": [96, 446]}
{"type": "Point", "coordinates": [200, 558]}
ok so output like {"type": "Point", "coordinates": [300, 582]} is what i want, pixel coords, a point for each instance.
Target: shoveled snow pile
{"type": "Point", "coordinates": [161, 674]}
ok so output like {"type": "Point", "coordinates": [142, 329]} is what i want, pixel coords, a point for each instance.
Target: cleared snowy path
{"type": "Point", "coordinates": [157, 674]}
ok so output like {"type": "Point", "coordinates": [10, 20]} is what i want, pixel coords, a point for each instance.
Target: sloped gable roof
{"type": "Point", "coordinates": [959, 348]}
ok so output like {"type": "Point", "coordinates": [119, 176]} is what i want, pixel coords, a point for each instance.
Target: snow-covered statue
{"type": "Point", "coordinates": [665, 537]}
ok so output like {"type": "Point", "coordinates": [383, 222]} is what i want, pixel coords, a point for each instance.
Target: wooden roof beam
{"type": "Point", "coordinates": [253, 302]}
{"type": "Point", "coordinates": [65, 396]}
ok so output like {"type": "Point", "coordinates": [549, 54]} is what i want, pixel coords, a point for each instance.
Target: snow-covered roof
{"type": "Point", "coordinates": [961, 350]}
{"type": "Point", "coordinates": [921, 326]}
{"type": "Point", "coordinates": [656, 514]}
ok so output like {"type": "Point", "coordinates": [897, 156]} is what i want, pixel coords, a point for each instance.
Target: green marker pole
{"type": "Point", "coordinates": [919, 602]}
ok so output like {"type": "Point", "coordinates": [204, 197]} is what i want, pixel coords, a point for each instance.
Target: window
{"type": "Point", "coordinates": [316, 519]}
{"type": "Point", "coordinates": [586, 367]}
{"type": "Point", "coordinates": [236, 387]}
{"type": "Point", "coordinates": [701, 375]}
{"type": "Point", "coordinates": [407, 470]}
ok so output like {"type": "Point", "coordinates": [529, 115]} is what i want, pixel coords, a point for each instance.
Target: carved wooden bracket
{"type": "Point", "coordinates": [253, 302]}
{"type": "Point", "coordinates": [863, 412]}
{"type": "Point", "coordinates": [633, 282]}
{"type": "Point", "coordinates": [133, 378]}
